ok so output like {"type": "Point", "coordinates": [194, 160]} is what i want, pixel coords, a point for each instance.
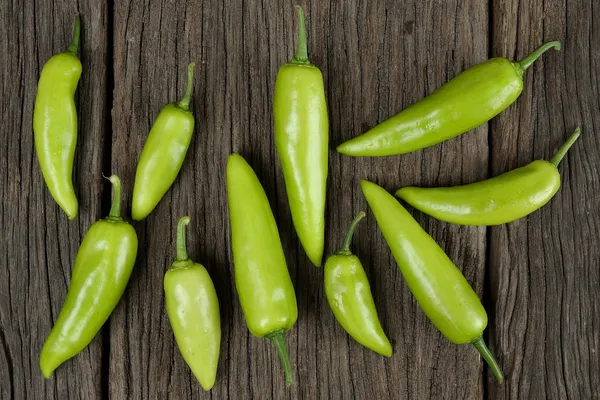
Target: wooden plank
{"type": "Point", "coordinates": [153, 44]}
{"type": "Point", "coordinates": [38, 244]}
{"type": "Point", "coordinates": [377, 58]}
{"type": "Point", "coordinates": [544, 271]}
{"type": "Point", "coordinates": [382, 58]}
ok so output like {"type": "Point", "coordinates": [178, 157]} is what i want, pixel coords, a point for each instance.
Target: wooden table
{"type": "Point", "coordinates": [539, 277]}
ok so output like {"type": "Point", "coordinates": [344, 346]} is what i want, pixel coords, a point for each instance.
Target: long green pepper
{"type": "Point", "coordinates": [102, 269]}
{"type": "Point", "coordinates": [498, 200]}
{"type": "Point", "coordinates": [55, 123]}
{"type": "Point", "coordinates": [438, 285]}
{"type": "Point", "coordinates": [262, 278]}
{"type": "Point", "coordinates": [465, 102]}
{"type": "Point", "coordinates": [302, 141]}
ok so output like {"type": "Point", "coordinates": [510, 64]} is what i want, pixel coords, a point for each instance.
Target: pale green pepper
{"type": "Point", "coordinates": [55, 124]}
{"type": "Point", "coordinates": [437, 284]}
{"type": "Point", "coordinates": [262, 278]}
{"type": "Point", "coordinates": [193, 310]}
{"type": "Point", "coordinates": [470, 99]}
{"type": "Point", "coordinates": [163, 153]}
{"type": "Point", "coordinates": [498, 200]}
{"type": "Point", "coordinates": [349, 297]}
{"type": "Point", "coordinates": [302, 140]}
{"type": "Point", "coordinates": [102, 269]}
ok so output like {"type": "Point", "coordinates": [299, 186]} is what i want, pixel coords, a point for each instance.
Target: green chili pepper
{"type": "Point", "coordinates": [349, 296]}
{"type": "Point", "coordinates": [438, 285]}
{"type": "Point", "coordinates": [262, 279]}
{"type": "Point", "coordinates": [465, 102]}
{"type": "Point", "coordinates": [494, 201]}
{"type": "Point", "coordinates": [163, 153]}
{"type": "Point", "coordinates": [102, 268]}
{"type": "Point", "coordinates": [193, 310]}
{"type": "Point", "coordinates": [55, 123]}
{"type": "Point", "coordinates": [302, 141]}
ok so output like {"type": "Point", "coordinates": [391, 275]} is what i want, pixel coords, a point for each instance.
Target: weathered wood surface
{"type": "Point", "coordinates": [545, 270]}
{"type": "Point", "coordinates": [38, 244]}
{"type": "Point", "coordinates": [538, 276]}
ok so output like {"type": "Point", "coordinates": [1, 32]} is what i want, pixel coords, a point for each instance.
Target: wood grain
{"type": "Point", "coordinates": [366, 52]}
{"type": "Point", "coordinates": [374, 70]}
{"type": "Point", "coordinates": [38, 244]}
{"type": "Point", "coordinates": [544, 270]}
{"type": "Point", "coordinates": [538, 276]}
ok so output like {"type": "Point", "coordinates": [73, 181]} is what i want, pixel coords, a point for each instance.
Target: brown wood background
{"type": "Point", "coordinates": [539, 277]}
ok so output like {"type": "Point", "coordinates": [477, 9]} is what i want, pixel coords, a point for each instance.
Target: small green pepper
{"type": "Point", "coordinates": [349, 296]}
{"type": "Point", "coordinates": [262, 278]}
{"type": "Point", "coordinates": [193, 310]}
{"type": "Point", "coordinates": [494, 201]}
{"type": "Point", "coordinates": [102, 269]}
{"type": "Point", "coordinates": [55, 124]}
{"type": "Point", "coordinates": [163, 153]}
{"type": "Point", "coordinates": [302, 141]}
{"type": "Point", "coordinates": [465, 102]}
{"type": "Point", "coordinates": [438, 285]}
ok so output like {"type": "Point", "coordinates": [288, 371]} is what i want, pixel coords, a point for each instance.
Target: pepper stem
{"type": "Point", "coordinates": [487, 355]}
{"type": "Point", "coordinates": [345, 249]}
{"type": "Point", "coordinates": [559, 155]}
{"type": "Point", "coordinates": [278, 340]}
{"type": "Point", "coordinates": [74, 46]}
{"type": "Point", "coordinates": [184, 103]}
{"type": "Point", "coordinates": [301, 56]}
{"type": "Point", "coordinates": [530, 59]}
{"type": "Point", "coordinates": [115, 207]}
{"type": "Point", "coordinates": [181, 242]}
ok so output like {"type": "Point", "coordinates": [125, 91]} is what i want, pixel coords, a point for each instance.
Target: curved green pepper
{"type": "Point", "coordinates": [55, 124]}
{"type": "Point", "coordinates": [302, 141]}
{"type": "Point", "coordinates": [465, 102]}
{"type": "Point", "coordinates": [438, 285]}
{"type": "Point", "coordinates": [494, 201]}
{"type": "Point", "coordinates": [262, 278]}
{"type": "Point", "coordinates": [193, 310]}
{"type": "Point", "coordinates": [102, 269]}
{"type": "Point", "coordinates": [163, 153]}
{"type": "Point", "coordinates": [349, 296]}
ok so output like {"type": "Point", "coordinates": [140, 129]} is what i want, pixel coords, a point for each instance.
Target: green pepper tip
{"type": "Point", "coordinates": [530, 59]}
{"type": "Point", "coordinates": [278, 340]}
{"type": "Point", "coordinates": [317, 261]}
{"type": "Point", "coordinates": [191, 69]}
{"type": "Point", "coordinates": [345, 249]}
{"type": "Point", "coordinates": [72, 212]}
{"type": "Point", "coordinates": [487, 355]}
{"type": "Point", "coordinates": [365, 183]}
{"type": "Point", "coordinates": [232, 158]}
{"type": "Point", "coordinates": [74, 46]}
{"type": "Point", "coordinates": [115, 207]}
{"type": "Point", "coordinates": [45, 365]}
{"type": "Point", "coordinates": [114, 178]}
{"type": "Point", "coordinates": [181, 240]}
{"type": "Point", "coordinates": [301, 56]}
{"type": "Point", "coordinates": [184, 103]}
{"type": "Point", "coordinates": [560, 154]}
